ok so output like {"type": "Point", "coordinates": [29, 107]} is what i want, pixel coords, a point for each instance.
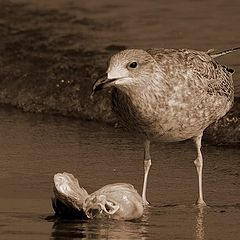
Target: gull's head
{"type": "Point", "coordinates": [127, 68]}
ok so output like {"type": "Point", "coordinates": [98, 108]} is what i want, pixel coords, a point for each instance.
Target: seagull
{"type": "Point", "coordinates": [169, 95]}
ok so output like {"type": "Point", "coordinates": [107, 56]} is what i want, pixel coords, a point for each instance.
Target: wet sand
{"type": "Point", "coordinates": [52, 51]}
{"type": "Point", "coordinates": [35, 147]}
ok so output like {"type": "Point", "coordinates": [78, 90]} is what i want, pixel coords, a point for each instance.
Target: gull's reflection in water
{"type": "Point", "coordinates": [199, 228]}
{"type": "Point", "coordinates": [99, 229]}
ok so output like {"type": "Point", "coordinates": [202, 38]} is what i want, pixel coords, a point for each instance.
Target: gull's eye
{"type": "Point", "coordinates": [133, 65]}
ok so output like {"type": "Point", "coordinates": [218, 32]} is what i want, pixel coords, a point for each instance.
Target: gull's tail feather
{"type": "Point", "coordinates": [219, 54]}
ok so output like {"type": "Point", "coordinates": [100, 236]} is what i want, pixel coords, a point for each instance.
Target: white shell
{"type": "Point", "coordinates": [114, 201]}
{"type": "Point", "coordinates": [68, 191]}
{"type": "Point", "coordinates": [117, 201]}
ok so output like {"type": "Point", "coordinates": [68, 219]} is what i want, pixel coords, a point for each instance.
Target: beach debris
{"type": "Point", "coordinates": [119, 201]}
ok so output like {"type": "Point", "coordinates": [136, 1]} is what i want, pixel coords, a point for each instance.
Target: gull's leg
{"type": "Point", "coordinates": [199, 166]}
{"type": "Point", "coordinates": [147, 165]}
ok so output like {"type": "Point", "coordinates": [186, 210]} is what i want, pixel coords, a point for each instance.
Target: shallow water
{"type": "Point", "coordinates": [35, 147]}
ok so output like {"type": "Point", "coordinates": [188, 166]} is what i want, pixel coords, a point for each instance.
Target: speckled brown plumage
{"type": "Point", "coordinates": [188, 92]}
{"type": "Point", "coordinates": [169, 95]}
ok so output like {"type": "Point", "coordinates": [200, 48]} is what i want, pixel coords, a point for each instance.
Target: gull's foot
{"type": "Point", "coordinates": [146, 203]}
{"type": "Point", "coordinates": [201, 203]}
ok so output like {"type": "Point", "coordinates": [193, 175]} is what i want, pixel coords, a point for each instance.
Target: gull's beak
{"type": "Point", "coordinates": [100, 84]}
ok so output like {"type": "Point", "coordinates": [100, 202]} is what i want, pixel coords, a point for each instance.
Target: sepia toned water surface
{"type": "Point", "coordinates": [35, 147]}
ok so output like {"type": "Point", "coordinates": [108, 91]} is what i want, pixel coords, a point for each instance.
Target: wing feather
{"type": "Point", "coordinates": [199, 68]}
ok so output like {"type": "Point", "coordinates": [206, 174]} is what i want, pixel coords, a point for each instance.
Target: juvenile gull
{"type": "Point", "coordinates": [169, 95]}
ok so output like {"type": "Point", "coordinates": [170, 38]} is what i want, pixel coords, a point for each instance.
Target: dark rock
{"type": "Point", "coordinates": [226, 131]}
{"type": "Point", "coordinates": [116, 48]}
